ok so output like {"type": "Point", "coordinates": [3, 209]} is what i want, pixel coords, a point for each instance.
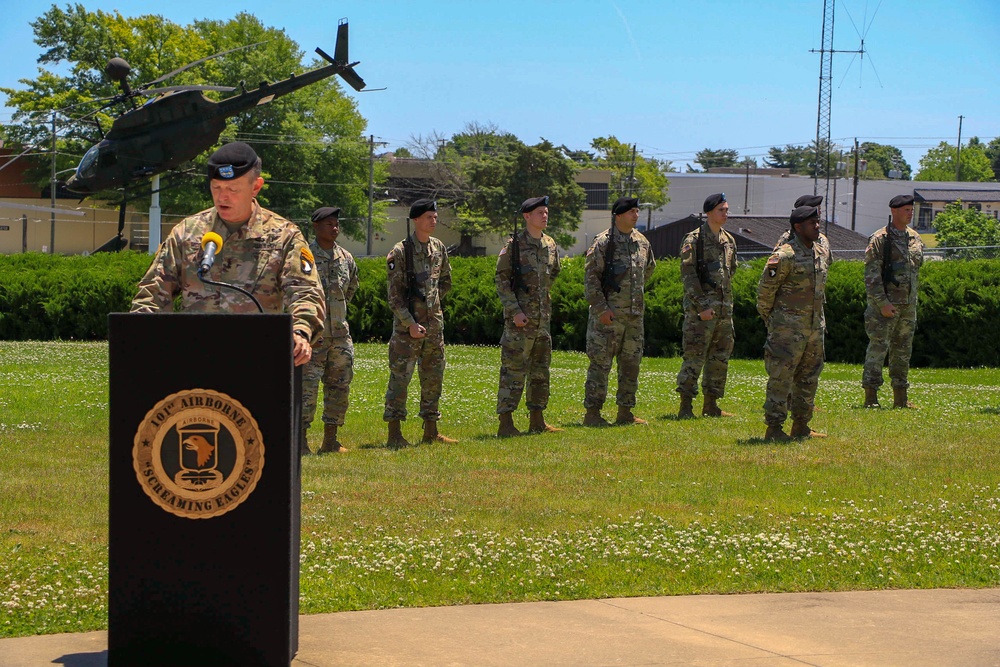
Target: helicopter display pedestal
{"type": "Point", "coordinates": [204, 491]}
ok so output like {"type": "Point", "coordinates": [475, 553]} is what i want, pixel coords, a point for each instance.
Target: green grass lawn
{"type": "Point", "coordinates": [892, 499]}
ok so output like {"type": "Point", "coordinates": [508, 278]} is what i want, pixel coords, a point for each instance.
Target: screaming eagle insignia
{"type": "Point", "coordinates": [198, 454]}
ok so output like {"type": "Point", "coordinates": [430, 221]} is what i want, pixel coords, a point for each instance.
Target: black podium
{"type": "Point", "coordinates": [204, 491]}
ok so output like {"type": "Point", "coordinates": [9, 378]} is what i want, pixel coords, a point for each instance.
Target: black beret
{"type": "Point", "coordinates": [624, 204]}
{"type": "Point", "coordinates": [900, 200]}
{"type": "Point", "coordinates": [232, 160]}
{"type": "Point", "coordinates": [803, 213]}
{"type": "Point", "coordinates": [421, 206]}
{"type": "Point", "coordinates": [325, 212]}
{"type": "Point", "coordinates": [808, 200]}
{"type": "Point", "coordinates": [530, 205]}
{"type": "Point", "coordinates": [712, 201]}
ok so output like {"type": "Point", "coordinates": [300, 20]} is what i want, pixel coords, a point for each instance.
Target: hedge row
{"type": "Point", "coordinates": [46, 297]}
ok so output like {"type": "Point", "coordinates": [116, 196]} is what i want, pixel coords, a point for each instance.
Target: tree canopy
{"type": "Point", "coordinates": [311, 141]}
{"type": "Point", "coordinates": [650, 184]}
{"type": "Point", "coordinates": [723, 157]}
{"type": "Point", "coordinates": [938, 164]}
{"type": "Point", "coordinates": [959, 227]}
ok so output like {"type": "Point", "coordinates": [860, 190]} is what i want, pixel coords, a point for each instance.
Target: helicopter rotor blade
{"type": "Point", "coordinates": [196, 62]}
{"type": "Point", "coordinates": [167, 89]}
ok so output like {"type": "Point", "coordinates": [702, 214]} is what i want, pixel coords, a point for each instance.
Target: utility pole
{"type": "Point", "coordinates": [631, 172]}
{"type": "Point", "coordinates": [746, 192]}
{"type": "Point", "coordinates": [371, 188]}
{"type": "Point", "coordinates": [52, 189]}
{"type": "Point", "coordinates": [854, 204]}
{"type": "Point", "coordinates": [958, 159]}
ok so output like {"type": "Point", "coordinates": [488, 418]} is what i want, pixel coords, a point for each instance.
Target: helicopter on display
{"type": "Point", "coordinates": [180, 123]}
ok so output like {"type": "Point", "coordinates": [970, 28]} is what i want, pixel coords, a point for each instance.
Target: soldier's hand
{"type": "Point", "coordinates": [417, 330]}
{"type": "Point", "coordinates": [607, 317]}
{"type": "Point", "coordinates": [889, 310]}
{"type": "Point", "coordinates": [520, 320]}
{"type": "Point", "coordinates": [301, 350]}
{"type": "Point", "coordinates": [707, 314]}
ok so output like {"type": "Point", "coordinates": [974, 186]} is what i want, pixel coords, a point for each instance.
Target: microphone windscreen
{"type": "Point", "coordinates": [214, 238]}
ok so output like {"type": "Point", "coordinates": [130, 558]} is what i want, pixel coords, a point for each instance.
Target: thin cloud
{"type": "Point", "coordinates": [628, 30]}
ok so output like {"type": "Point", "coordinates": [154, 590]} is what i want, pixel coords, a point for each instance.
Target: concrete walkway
{"type": "Point", "coordinates": [908, 628]}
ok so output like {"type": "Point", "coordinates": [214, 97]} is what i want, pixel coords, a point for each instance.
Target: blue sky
{"type": "Point", "coordinates": [672, 76]}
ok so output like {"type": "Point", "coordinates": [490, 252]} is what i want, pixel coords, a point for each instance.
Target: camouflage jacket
{"type": "Point", "coordinates": [433, 281]}
{"type": "Point", "coordinates": [822, 240]}
{"type": "Point", "coordinates": [792, 286]}
{"type": "Point", "coordinates": [339, 274]}
{"type": "Point", "coordinates": [539, 267]}
{"type": "Point", "coordinates": [719, 264]}
{"type": "Point", "coordinates": [268, 257]}
{"type": "Point", "coordinates": [906, 254]}
{"type": "Point", "coordinates": [632, 267]}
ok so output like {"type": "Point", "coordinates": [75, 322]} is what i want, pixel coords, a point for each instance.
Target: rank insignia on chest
{"type": "Point", "coordinates": [307, 260]}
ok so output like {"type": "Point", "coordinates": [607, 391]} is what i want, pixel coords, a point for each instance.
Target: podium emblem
{"type": "Point", "coordinates": [198, 454]}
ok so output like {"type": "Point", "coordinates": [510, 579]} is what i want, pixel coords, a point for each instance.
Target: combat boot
{"type": "Point", "coordinates": [594, 418]}
{"type": "Point", "coordinates": [687, 410]}
{"type": "Point", "coordinates": [396, 439]}
{"type": "Point", "coordinates": [775, 434]}
{"type": "Point", "coordinates": [538, 425]}
{"type": "Point", "coordinates": [507, 428]}
{"type": "Point", "coordinates": [431, 433]}
{"type": "Point", "coordinates": [304, 445]}
{"type": "Point", "coordinates": [330, 442]}
{"type": "Point", "coordinates": [710, 409]}
{"type": "Point", "coordinates": [899, 399]}
{"type": "Point", "coordinates": [800, 429]}
{"type": "Point", "coordinates": [625, 416]}
{"type": "Point", "coordinates": [871, 397]}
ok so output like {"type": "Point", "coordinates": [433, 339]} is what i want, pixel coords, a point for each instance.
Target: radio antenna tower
{"type": "Point", "coordinates": [821, 181]}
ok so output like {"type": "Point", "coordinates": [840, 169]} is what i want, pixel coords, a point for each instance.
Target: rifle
{"type": "Point", "coordinates": [888, 275]}
{"type": "Point", "coordinates": [515, 262]}
{"type": "Point", "coordinates": [701, 266]}
{"type": "Point", "coordinates": [608, 281]}
{"type": "Point", "coordinates": [412, 291]}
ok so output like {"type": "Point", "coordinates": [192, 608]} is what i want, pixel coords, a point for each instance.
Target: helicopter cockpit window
{"type": "Point", "coordinates": [88, 165]}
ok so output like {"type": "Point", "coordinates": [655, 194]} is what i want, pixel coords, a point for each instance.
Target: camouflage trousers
{"type": "Point", "coordinates": [892, 336]}
{"type": "Point", "coordinates": [404, 353]}
{"type": "Point", "coordinates": [333, 362]}
{"type": "Point", "coordinates": [707, 344]}
{"type": "Point", "coordinates": [525, 354]}
{"type": "Point", "coordinates": [793, 360]}
{"type": "Point", "coordinates": [622, 340]}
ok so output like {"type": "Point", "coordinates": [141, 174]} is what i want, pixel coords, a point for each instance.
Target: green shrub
{"type": "Point", "coordinates": [44, 297]}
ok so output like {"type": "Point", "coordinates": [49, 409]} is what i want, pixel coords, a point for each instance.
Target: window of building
{"type": "Point", "coordinates": [976, 205]}
{"type": "Point", "coordinates": [597, 196]}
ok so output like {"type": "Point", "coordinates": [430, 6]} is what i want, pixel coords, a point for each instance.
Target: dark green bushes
{"type": "Point", "coordinates": [45, 297]}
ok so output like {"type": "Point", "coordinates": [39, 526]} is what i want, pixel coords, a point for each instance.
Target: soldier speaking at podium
{"type": "Point", "coordinates": [255, 250]}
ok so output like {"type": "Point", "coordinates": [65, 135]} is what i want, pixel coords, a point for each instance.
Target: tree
{"type": "Point", "coordinates": [993, 153]}
{"type": "Point", "coordinates": [485, 174]}
{"type": "Point", "coordinates": [311, 141]}
{"type": "Point", "coordinates": [959, 227]}
{"type": "Point", "coordinates": [886, 158]}
{"type": "Point", "coordinates": [650, 184]}
{"type": "Point", "coordinates": [938, 164]}
{"type": "Point", "coordinates": [798, 159]}
{"type": "Point", "coordinates": [709, 158]}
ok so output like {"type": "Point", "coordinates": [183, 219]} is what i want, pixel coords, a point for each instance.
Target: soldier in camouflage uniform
{"type": "Point", "coordinates": [333, 359]}
{"type": "Point", "coordinates": [615, 291]}
{"type": "Point", "coordinates": [891, 315]}
{"type": "Point", "coordinates": [807, 200]}
{"type": "Point", "coordinates": [526, 345]}
{"type": "Point", "coordinates": [262, 253]}
{"type": "Point", "coordinates": [708, 262]}
{"type": "Point", "coordinates": [790, 300]}
{"type": "Point", "coordinates": [415, 294]}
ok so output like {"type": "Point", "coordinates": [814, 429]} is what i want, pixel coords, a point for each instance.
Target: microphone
{"type": "Point", "coordinates": [211, 243]}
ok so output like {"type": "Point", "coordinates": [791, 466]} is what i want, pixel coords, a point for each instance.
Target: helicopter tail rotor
{"type": "Point", "coordinates": [340, 58]}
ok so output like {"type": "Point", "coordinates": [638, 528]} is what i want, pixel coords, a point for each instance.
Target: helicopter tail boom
{"type": "Point", "coordinates": [341, 59]}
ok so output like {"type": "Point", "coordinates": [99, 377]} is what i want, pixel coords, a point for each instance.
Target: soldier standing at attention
{"type": "Point", "coordinates": [619, 263]}
{"type": "Point", "coordinates": [790, 300]}
{"type": "Point", "coordinates": [333, 358]}
{"type": "Point", "coordinates": [526, 267]}
{"type": "Point", "coordinates": [892, 271]}
{"type": "Point", "coordinates": [261, 252]}
{"type": "Point", "coordinates": [708, 262]}
{"type": "Point", "coordinates": [419, 276]}
{"type": "Point", "coordinates": [807, 200]}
